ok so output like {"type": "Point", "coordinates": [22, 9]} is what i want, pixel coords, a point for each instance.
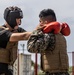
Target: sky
{"type": "Point", "coordinates": [64, 10]}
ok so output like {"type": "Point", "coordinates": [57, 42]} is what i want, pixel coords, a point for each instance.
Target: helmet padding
{"type": "Point", "coordinates": [11, 14]}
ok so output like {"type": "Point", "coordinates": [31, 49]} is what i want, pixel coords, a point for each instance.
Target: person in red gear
{"type": "Point", "coordinates": [57, 27]}
{"type": "Point", "coordinates": [54, 62]}
{"type": "Point", "coordinates": [54, 59]}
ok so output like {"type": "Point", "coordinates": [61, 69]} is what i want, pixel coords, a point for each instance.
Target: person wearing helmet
{"type": "Point", "coordinates": [10, 34]}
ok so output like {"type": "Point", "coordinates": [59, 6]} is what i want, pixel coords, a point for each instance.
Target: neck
{"type": "Point", "coordinates": [8, 26]}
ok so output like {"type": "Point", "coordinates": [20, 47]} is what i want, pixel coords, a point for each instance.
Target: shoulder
{"type": "Point", "coordinates": [3, 28]}
{"type": "Point", "coordinates": [59, 35]}
{"type": "Point", "coordinates": [21, 29]}
{"type": "Point", "coordinates": [4, 32]}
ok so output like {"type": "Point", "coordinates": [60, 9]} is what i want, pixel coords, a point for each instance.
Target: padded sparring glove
{"type": "Point", "coordinates": [54, 27]}
{"type": "Point", "coordinates": [65, 29]}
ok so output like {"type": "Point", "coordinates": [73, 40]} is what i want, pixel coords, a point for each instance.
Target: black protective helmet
{"type": "Point", "coordinates": [10, 15]}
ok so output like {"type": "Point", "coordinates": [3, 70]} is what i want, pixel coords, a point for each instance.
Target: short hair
{"type": "Point", "coordinates": [47, 12]}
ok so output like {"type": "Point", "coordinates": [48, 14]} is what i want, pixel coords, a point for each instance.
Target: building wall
{"type": "Point", "coordinates": [22, 66]}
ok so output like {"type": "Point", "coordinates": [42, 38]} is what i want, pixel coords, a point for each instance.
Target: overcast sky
{"type": "Point", "coordinates": [64, 10]}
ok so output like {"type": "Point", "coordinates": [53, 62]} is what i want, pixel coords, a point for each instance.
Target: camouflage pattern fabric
{"type": "Point", "coordinates": [40, 42]}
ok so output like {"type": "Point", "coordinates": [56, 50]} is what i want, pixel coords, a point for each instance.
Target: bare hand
{"type": "Point", "coordinates": [40, 26]}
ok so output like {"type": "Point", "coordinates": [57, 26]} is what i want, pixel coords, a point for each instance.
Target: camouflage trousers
{"type": "Point", "coordinates": [58, 73]}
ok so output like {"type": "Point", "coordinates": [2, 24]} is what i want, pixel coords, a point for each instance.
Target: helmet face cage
{"type": "Point", "coordinates": [11, 15]}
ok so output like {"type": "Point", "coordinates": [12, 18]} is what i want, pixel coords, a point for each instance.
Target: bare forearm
{"type": "Point", "coordinates": [20, 36]}
{"type": "Point", "coordinates": [26, 35]}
